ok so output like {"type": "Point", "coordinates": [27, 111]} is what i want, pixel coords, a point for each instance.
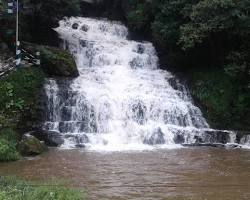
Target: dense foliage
{"type": "Point", "coordinates": [8, 142]}
{"type": "Point", "coordinates": [13, 189]}
{"type": "Point", "coordinates": [210, 40]}
{"type": "Point", "coordinates": [18, 93]}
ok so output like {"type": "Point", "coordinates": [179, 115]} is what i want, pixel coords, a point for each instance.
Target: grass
{"type": "Point", "coordinates": [8, 143]}
{"type": "Point", "coordinates": [14, 189]}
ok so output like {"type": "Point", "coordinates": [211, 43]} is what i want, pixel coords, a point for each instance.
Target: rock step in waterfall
{"type": "Point", "coordinates": [121, 99]}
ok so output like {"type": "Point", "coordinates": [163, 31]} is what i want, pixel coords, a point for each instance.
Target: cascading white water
{"type": "Point", "coordinates": [121, 100]}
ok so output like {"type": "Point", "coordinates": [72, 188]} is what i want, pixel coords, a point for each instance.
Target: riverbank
{"type": "Point", "coordinates": [14, 189]}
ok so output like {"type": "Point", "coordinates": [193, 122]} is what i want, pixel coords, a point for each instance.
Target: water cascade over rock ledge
{"type": "Point", "coordinates": [121, 99]}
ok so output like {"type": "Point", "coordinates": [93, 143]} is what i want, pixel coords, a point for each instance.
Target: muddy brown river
{"type": "Point", "coordinates": [188, 173]}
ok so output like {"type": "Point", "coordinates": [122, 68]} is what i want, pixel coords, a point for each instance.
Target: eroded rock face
{"type": "Point", "coordinates": [31, 146]}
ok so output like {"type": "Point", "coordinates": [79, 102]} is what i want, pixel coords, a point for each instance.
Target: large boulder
{"type": "Point", "coordinates": [54, 61]}
{"type": "Point", "coordinates": [51, 138]}
{"type": "Point", "coordinates": [31, 146]}
{"type": "Point", "coordinates": [58, 62]}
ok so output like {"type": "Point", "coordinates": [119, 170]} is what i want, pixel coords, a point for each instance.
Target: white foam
{"type": "Point", "coordinates": [121, 96]}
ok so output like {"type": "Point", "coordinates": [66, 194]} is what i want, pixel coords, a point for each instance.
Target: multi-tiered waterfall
{"type": "Point", "coordinates": [121, 100]}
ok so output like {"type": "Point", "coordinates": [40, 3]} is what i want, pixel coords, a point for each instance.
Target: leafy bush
{"type": "Point", "coordinates": [17, 94]}
{"type": "Point", "coordinates": [13, 189]}
{"type": "Point", "coordinates": [8, 150]}
{"type": "Point", "coordinates": [8, 143]}
{"type": "Point", "coordinates": [224, 102]}
{"type": "Point", "coordinates": [9, 134]}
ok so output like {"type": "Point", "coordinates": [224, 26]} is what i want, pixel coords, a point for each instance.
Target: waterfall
{"type": "Point", "coordinates": [121, 99]}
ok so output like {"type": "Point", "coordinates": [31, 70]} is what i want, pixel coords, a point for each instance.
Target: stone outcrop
{"type": "Point", "coordinates": [31, 146]}
{"type": "Point", "coordinates": [55, 61]}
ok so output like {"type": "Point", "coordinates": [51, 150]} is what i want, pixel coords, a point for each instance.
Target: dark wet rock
{"type": "Point", "coordinates": [156, 138]}
{"type": "Point", "coordinates": [75, 26]}
{"type": "Point", "coordinates": [172, 81]}
{"type": "Point", "coordinates": [179, 139]}
{"type": "Point", "coordinates": [31, 146]}
{"type": "Point", "coordinates": [66, 113]}
{"type": "Point", "coordinates": [140, 49]}
{"type": "Point", "coordinates": [216, 145]}
{"type": "Point", "coordinates": [198, 139]}
{"type": "Point", "coordinates": [139, 113]}
{"type": "Point", "coordinates": [80, 146]}
{"type": "Point", "coordinates": [85, 28]}
{"type": "Point", "coordinates": [83, 43]}
{"type": "Point", "coordinates": [136, 63]}
{"type": "Point", "coordinates": [51, 138]}
{"type": "Point", "coordinates": [216, 136]}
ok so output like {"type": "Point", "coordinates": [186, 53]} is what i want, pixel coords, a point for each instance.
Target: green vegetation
{"type": "Point", "coordinates": [13, 189]}
{"type": "Point", "coordinates": [224, 104]}
{"type": "Point", "coordinates": [18, 93]}
{"type": "Point", "coordinates": [8, 142]}
{"type": "Point", "coordinates": [210, 41]}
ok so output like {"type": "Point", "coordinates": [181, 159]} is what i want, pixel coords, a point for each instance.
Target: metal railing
{"type": "Point", "coordinates": [8, 66]}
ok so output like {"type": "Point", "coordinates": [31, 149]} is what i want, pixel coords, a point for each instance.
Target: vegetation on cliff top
{"type": "Point", "coordinates": [210, 41]}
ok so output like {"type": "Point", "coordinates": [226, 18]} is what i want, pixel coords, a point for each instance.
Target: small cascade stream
{"type": "Point", "coordinates": [122, 100]}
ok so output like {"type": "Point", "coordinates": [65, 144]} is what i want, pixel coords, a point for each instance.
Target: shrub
{"type": "Point", "coordinates": [8, 143]}
{"type": "Point", "coordinates": [17, 93]}
{"type": "Point", "coordinates": [8, 151]}
{"type": "Point", "coordinates": [12, 189]}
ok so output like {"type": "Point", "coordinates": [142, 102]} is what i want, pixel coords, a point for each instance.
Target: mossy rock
{"type": "Point", "coordinates": [55, 61]}
{"type": "Point", "coordinates": [58, 62]}
{"type": "Point", "coordinates": [31, 146]}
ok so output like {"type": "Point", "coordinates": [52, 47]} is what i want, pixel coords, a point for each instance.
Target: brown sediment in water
{"type": "Point", "coordinates": [189, 173]}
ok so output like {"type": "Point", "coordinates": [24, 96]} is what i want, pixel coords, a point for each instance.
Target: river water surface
{"type": "Point", "coordinates": [187, 173]}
